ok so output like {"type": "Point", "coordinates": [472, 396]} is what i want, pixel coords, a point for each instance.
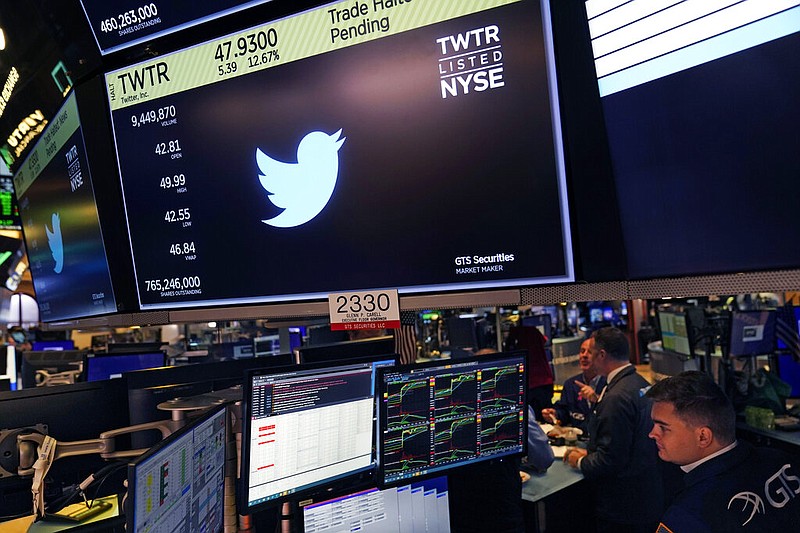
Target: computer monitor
{"type": "Point", "coordinates": [462, 333]}
{"type": "Point", "coordinates": [149, 388]}
{"type": "Point", "coordinates": [296, 334]}
{"type": "Point", "coordinates": [789, 327]}
{"type": "Point", "coordinates": [418, 506]}
{"type": "Point", "coordinates": [675, 332]}
{"type": "Point", "coordinates": [339, 351]}
{"type": "Point", "coordinates": [789, 371]}
{"type": "Point", "coordinates": [41, 346]}
{"type": "Point", "coordinates": [8, 369]}
{"type": "Point", "coordinates": [267, 345]}
{"type": "Point", "coordinates": [231, 350]}
{"type": "Point", "coordinates": [573, 317]}
{"type": "Point", "coordinates": [752, 333]}
{"type": "Point", "coordinates": [543, 322]}
{"type": "Point", "coordinates": [306, 429]}
{"type": "Point", "coordinates": [134, 347]}
{"type": "Point", "coordinates": [112, 366]}
{"type": "Point", "coordinates": [179, 484]}
{"type": "Point", "coordinates": [325, 335]}
{"type": "Point", "coordinates": [52, 367]}
{"type": "Point", "coordinates": [440, 415]}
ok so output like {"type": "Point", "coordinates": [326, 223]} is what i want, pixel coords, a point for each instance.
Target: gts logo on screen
{"type": "Point", "coordinates": [55, 242]}
{"type": "Point", "coordinates": [301, 189]}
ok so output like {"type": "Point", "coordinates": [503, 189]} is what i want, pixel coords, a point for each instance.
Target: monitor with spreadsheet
{"type": "Point", "coordinates": [675, 332]}
{"type": "Point", "coordinates": [419, 506]}
{"type": "Point", "coordinates": [306, 428]}
{"type": "Point", "coordinates": [439, 415]}
{"type": "Point", "coordinates": [178, 485]}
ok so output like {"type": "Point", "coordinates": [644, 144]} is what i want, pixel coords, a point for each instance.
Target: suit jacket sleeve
{"type": "Point", "coordinates": [569, 396]}
{"type": "Point", "coordinates": [540, 454]}
{"type": "Point", "coordinates": [617, 421]}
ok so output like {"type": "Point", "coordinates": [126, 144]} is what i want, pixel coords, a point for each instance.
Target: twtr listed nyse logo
{"type": "Point", "coordinates": [302, 189]}
{"type": "Point", "coordinates": [56, 243]}
{"type": "Point", "coordinates": [471, 61]}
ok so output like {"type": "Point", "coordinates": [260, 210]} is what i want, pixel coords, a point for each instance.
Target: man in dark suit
{"type": "Point", "coordinates": [620, 462]}
{"type": "Point", "coordinates": [728, 485]}
{"type": "Point", "coordinates": [579, 393]}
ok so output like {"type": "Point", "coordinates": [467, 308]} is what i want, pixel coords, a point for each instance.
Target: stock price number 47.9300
{"type": "Point", "coordinates": [260, 48]}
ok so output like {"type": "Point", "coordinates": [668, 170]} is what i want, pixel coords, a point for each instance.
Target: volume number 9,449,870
{"type": "Point", "coordinates": [173, 284]}
{"type": "Point", "coordinates": [164, 115]}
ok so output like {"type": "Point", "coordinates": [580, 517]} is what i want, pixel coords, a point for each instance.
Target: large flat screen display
{"type": "Point", "coordinates": [700, 107]}
{"type": "Point", "coordinates": [359, 145]}
{"type": "Point", "coordinates": [119, 24]}
{"type": "Point", "coordinates": [61, 226]}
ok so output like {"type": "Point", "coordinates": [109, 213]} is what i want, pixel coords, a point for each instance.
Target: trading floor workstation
{"type": "Point", "coordinates": [344, 430]}
{"type": "Point", "coordinates": [436, 170]}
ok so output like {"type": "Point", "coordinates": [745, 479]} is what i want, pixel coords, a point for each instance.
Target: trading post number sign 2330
{"type": "Point", "coordinates": [364, 310]}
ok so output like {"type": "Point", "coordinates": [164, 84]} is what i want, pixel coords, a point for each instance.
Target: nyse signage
{"type": "Point", "coordinates": [343, 135]}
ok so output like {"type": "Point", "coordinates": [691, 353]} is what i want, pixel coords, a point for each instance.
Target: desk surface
{"type": "Point", "coordinates": [558, 477]}
{"type": "Point", "coordinates": [27, 525]}
{"type": "Point", "coordinates": [789, 437]}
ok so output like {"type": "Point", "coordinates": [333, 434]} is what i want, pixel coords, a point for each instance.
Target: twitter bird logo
{"type": "Point", "coordinates": [302, 189]}
{"type": "Point", "coordinates": [56, 245]}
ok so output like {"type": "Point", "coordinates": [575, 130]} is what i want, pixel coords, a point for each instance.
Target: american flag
{"type": "Point", "coordinates": [405, 338]}
{"type": "Point", "coordinates": [786, 329]}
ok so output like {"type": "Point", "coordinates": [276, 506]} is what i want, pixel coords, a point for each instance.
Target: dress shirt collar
{"type": "Point", "coordinates": [688, 468]}
{"type": "Point", "coordinates": [613, 373]}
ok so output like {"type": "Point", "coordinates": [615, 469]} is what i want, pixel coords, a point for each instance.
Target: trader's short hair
{"type": "Point", "coordinates": [613, 341]}
{"type": "Point", "coordinates": [698, 401]}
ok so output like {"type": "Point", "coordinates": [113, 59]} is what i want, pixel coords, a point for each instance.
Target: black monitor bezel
{"type": "Point", "coordinates": [80, 355]}
{"type": "Point", "coordinates": [318, 351]}
{"type": "Point", "coordinates": [481, 360]}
